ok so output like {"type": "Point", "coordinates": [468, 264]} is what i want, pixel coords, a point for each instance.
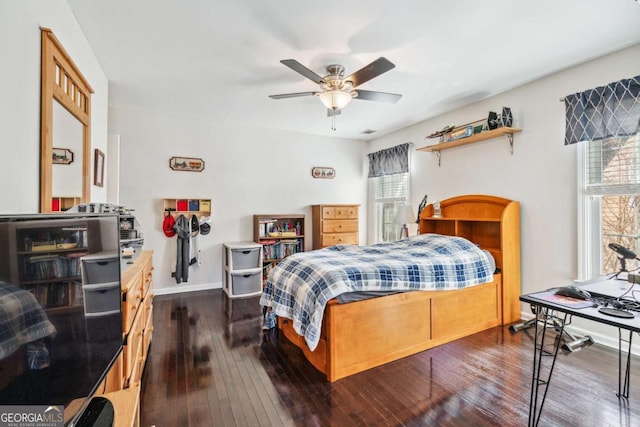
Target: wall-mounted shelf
{"type": "Point", "coordinates": [199, 207]}
{"type": "Point", "coordinates": [60, 204]}
{"type": "Point", "coordinates": [482, 136]}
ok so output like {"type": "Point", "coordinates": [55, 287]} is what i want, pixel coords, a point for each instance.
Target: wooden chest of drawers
{"type": "Point", "coordinates": [137, 322]}
{"type": "Point", "coordinates": [335, 224]}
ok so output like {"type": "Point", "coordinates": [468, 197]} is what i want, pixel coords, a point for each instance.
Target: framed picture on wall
{"type": "Point", "coordinates": [98, 168]}
{"type": "Point", "coordinates": [323, 172]}
{"type": "Point", "coordinates": [62, 156]}
{"type": "Point", "coordinates": [190, 164]}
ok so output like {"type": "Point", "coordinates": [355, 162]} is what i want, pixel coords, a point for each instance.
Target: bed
{"type": "Point", "coordinates": [347, 338]}
{"type": "Point", "coordinates": [22, 321]}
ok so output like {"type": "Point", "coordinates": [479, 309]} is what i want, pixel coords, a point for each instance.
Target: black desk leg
{"type": "Point", "coordinates": [544, 321]}
{"type": "Point", "coordinates": [623, 391]}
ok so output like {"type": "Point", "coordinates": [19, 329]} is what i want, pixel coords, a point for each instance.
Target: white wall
{"type": "Point", "coordinates": [247, 171]}
{"type": "Point", "coordinates": [20, 23]}
{"type": "Point", "coordinates": [252, 170]}
{"type": "Point", "coordinates": [541, 173]}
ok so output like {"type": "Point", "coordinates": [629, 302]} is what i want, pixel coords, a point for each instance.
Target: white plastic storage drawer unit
{"type": "Point", "coordinates": [243, 255]}
{"type": "Point", "coordinates": [101, 283]}
{"type": "Point", "coordinates": [100, 269]}
{"type": "Point", "coordinates": [244, 283]}
{"type": "Point", "coordinates": [101, 299]}
{"type": "Point", "coordinates": [242, 269]}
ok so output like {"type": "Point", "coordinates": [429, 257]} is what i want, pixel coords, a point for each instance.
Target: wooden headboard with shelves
{"type": "Point", "coordinates": [493, 223]}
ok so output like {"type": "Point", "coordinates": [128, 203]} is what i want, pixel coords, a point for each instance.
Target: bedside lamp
{"type": "Point", "coordinates": [404, 216]}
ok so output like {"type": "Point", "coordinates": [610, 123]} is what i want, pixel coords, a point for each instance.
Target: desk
{"type": "Point", "coordinates": [552, 313]}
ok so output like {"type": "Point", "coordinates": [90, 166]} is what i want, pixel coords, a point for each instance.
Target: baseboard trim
{"type": "Point", "coordinates": [178, 289]}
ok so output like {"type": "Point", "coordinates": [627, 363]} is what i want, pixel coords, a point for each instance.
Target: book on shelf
{"type": "Point", "coordinates": [271, 249]}
{"type": "Point", "coordinates": [42, 267]}
{"type": "Point", "coordinates": [60, 294]}
{"type": "Point", "coordinates": [266, 225]}
{"type": "Point", "coordinates": [289, 247]}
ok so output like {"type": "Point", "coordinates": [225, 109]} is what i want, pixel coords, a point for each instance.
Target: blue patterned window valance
{"type": "Point", "coordinates": [389, 161]}
{"type": "Point", "coordinates": [603, 112]}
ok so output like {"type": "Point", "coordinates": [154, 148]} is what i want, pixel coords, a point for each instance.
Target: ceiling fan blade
{"type": "Point", "coordinates": [369, 95]}
{"type": "Point", "coordinates": [301, 69]}
{"type": "Point", "coordinates": [291, 95]}
{"type": "Point", "coordinates": [377, 67]}
{"type": "Point", "coordinates": [331, 112]}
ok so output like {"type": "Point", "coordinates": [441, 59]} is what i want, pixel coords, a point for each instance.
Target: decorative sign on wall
{"type": "Point", "coordinates": [62, 156]}
{"type": "Point", "coordinates": [186, 164]}
{"type": "Point", "coordinates": [322, 172]}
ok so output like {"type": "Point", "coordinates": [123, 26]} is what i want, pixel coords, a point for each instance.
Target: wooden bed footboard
{"type": "Point", "coordinates": [361, 335]}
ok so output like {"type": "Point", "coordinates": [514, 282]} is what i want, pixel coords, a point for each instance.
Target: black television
{"type": "Point", "coordinates": [60, 309]}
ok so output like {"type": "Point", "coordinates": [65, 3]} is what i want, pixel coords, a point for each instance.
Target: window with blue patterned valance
{"type": "Point", "coordinates": [603, 112]}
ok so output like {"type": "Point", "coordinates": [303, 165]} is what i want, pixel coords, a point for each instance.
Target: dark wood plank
{"type": "Point", "coordinates": [211, 364]}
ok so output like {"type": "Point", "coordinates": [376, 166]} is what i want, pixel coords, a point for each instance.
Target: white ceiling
{"type": "Point", "coordinates": [219, 59]}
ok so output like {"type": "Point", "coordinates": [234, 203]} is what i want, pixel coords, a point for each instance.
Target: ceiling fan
{"type": "Point", "coordinates": [336, 90]}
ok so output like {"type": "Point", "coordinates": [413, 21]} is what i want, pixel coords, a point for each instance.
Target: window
{"type": "Point", "coordinates": [390, 192]}
{"type": "Point", "coordinates": [389, 189]}
{"type": "Point", "coordinates": [610, 202]}
{"type": "Point", "coordinates": [606, 121]}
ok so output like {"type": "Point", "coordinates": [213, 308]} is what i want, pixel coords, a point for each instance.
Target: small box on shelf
{"type": "Point", "coordinates": [205, 205]}
{"type": "Point", "coordinates": [182, 205]}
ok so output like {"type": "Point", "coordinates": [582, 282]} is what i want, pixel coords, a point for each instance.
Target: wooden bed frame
{"type": "Point", "coordinates": [360, 335]}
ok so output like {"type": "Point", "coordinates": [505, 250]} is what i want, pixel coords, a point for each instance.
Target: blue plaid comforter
{"type": "Point", "coordinates": [22, 319]}
{"type": "Point", "coordinates": [300, 286]}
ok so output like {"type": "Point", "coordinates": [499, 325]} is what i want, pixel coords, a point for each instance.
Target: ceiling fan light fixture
{"type": "Point", "coordinates": [335, 99]}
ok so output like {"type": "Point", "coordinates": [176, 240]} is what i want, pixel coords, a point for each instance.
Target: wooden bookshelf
{"type": "Point", "coordinates": [280, 236]}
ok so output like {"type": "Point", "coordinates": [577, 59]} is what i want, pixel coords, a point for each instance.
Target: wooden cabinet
{"type": "Point", "coordinates": [335, 224]}
{"type": "Point", "coordinates": [137, 328]}
{"type": "Point", "coordinates": [137, 303]}
{"type": "Point", "coordinates": [279, 235]}
{"type": "Point", "coordinates": [126, 406]}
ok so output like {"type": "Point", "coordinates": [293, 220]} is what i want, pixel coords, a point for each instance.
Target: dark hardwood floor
{"type": "Point", "coordinates": [210, 364]}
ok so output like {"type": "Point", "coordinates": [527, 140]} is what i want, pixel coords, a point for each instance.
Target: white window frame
{"type": "Point", "coordinates": [377, 206]}
{"type": "Point", "coordinates": [589, 235]}
{"type": "Point", "coordinates": [589, 222]}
